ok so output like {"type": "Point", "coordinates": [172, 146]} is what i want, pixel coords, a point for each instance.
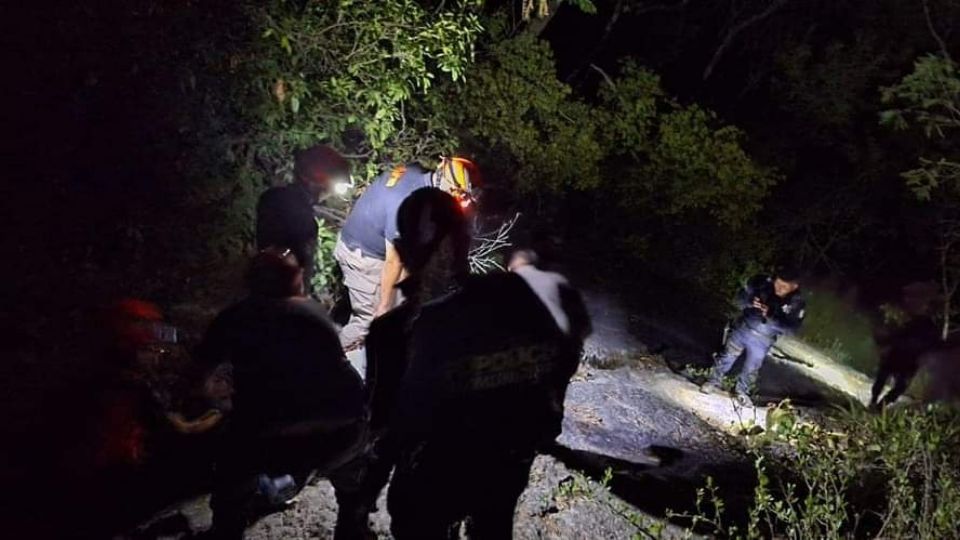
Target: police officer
{"type": "Point", "coordinates": [770, 307]}
{"type": "Point", "coordinates": [285, 214]}
{"type": "Point", "coordinates": [297, 404]}
{"type": "Point", "coordinates": [434, 255]}
{"type": "Point", "coordinates": [365, 250]}
{"type": "Point", "coordinates": [488, 367]}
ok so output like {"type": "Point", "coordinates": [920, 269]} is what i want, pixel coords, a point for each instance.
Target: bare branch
{"type": "Point", "coordinates": [486, 246]}
{"type": "Point", "coordinates": [604, 75]}
{"type": "Point", "coordinates": [733, 32]}
{"type": "Point", "coordinates": [933, 31]}
{"type": "Point", "coordinates": [619, 9]}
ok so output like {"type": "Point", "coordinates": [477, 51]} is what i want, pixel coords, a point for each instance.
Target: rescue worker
{"type": "Point", "coordinates": [285, 214]}
{"type": "Point", "coordinates": [365, 250]}
{"type": "Point", "coordinates": [488, 368]}
{"type": "Point", "coordinates": [904, 346]}
{"type": "Point", "coordinates": [297, 404]}
{"type": "Point", "coordinates": [770, 306]}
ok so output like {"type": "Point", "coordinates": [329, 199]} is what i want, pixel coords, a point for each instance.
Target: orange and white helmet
{"type": "Point", "coordinates": [456, 176]}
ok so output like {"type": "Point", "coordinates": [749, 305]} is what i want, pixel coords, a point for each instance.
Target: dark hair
{"type": "Point", "coordinates": [789, 274]}
{"type": "Point", "coordinates": [425, 219]}
{"type": "Point", "coordinates": [274, 273]}
{"type": "Point", "coordinates": [319, 163]}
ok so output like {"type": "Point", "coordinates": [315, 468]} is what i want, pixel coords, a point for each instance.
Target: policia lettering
{"type": "Point", "coordinates": [522, 366]}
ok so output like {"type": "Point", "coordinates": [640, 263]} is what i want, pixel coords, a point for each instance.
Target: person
{"type": "Point", "coordinates": [904, 346]}
{"type": "Point", "coordinates": [549, 287]}
{"type": "Point", "coordinates": [285, 214]}
{"type": "Point", "coordinates": [296, 405]}
{"type": "Point", "coordinates": [770, 306]}
{"type": "Point", "coordinates": [365, 250]}
{"type": "Point", "coordinates": [434, 267]}
{"type": "Point", "coordinates": [487, 366]}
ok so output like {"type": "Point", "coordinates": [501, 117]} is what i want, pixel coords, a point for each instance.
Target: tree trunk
{"type": "Point", "coordinates": [538, 24]}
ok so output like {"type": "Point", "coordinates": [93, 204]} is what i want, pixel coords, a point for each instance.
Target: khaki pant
{"type": "Point", "coordinates": [361, 276]}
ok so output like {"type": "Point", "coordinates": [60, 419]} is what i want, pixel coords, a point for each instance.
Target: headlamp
{"type": "Point", "coordinates": [342, 186]}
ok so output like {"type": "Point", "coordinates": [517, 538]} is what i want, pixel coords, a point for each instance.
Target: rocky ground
{"type": "Point", "coordinates": [656, 451]}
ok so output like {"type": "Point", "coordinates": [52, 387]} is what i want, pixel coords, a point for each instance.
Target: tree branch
{"type": "Point", "coordinates": [607, 32]}
{"type": "Point", "coordinates": [933, 31]}
{"type": "Point", "coordinates": [620, 8]}
{"type": "Point", "coordinates": [537, 25]}
{"type": "Point", "coordinates": [732, 34]}
{"type": "Point", "coordinates": [604, 75]}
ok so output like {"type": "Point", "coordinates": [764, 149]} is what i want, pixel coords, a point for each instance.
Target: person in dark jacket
{"type": "Point", "coordinates": [903, 347]}
{"type": "Point", "coordinates": [436, 265]}
{"type": "Point", "coordinates": [487, 366]}
{"type": "Point", "coordinates": [285, 214]}
{"type": "Point", "coordinates": [297, 404]}
{"type": "Point", "coordinates": [770, 306]}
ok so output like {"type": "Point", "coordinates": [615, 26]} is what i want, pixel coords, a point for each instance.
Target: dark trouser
{"type": "Point", "coordinates": [235, 501]}
{"type": "Point", "coordinates": [742, 341]}
{"type": "Point", "coordinates": [438, 488]}
{"type": "Point", "coordinates": [369, 474]}
{"type": "Point", "coordinates": [902, 375]}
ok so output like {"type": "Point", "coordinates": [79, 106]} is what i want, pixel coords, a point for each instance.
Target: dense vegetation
{"type": "Point", "coordinates": [676, 146]}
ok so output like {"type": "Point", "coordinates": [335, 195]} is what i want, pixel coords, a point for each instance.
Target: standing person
{"type": "Point", "coordinates": [297, 404]}
{"type": "Point", "coordinates": [487, 369]}
{"type": "Point", "coordinates": [770, 307]}
{"type": "Point", "coordinates": [550, 287]}
{"type": "Point", "coordinates": [365, 249]}
{"type": "Point", "coordinates": [434, 254]}
{"type": "Point", "coordinates": [285, 214]}
{"type": "Point", "coordinates": [904, 346]}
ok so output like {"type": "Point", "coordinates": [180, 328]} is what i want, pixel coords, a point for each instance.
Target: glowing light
{"type": "Point", "coordinates": [341, 188]}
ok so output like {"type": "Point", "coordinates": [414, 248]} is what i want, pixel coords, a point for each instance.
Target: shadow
{"type": "Point", "coordinates": [667, 483]}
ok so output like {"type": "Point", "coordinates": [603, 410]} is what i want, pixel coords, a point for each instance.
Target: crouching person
{"type": "Point", "coordinates": [770, 306]}
{"type": "Point", "coordinates": [488, 365]}
{"type": "Point", "coordinates": [297, 404]}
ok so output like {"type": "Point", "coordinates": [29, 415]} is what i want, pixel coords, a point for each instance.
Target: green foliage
{"type": "Point", "coordinates": [586, 6]}
{"type": "Point", "coordinates": [325, 265]}
{"type": "Point", "coordinates": [930, 98]}
{"type": "Point", "coordinates": [343, 72]}
{"type": "Point", "coordinates": [683, 159]}
{"type": "Point", "coordinates": [698, 167]}
{"type": "Point", "coordinates": [837, 327]}
{"type": "Point", "coordinates": [514, 101]}
{"type": "Point", "coordinates": [279, 76]}
{"type": "Point", "coordinates": [893, 475]}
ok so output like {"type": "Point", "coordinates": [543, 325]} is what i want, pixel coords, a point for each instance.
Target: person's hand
{"type": "Point", "coordinates": [761, 306]}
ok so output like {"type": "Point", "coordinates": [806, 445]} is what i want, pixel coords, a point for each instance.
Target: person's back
{"type": "Point", "coordinates": [484, 390]}
{"type": "Point", "coordinates": [373, 218]}
{"type": "Point", "coordinates": [287, 363]}
{"type": "Point", "coordinates": [297, 404]}
{"type": "Point", "coordinates": [489, 367]}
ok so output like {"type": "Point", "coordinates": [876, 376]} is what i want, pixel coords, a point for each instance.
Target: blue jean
{"type": "Point", "coordinates": [742, 341]}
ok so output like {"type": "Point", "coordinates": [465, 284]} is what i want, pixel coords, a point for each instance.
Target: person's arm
{"type": "Point", "coordinates": [789, 320]}
{"type": "Point", "coordinates": [389, 277]}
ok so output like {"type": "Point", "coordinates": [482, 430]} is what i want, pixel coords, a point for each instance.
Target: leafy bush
{"type": "Point", "coordinates": [893, 475]}
{"type": "Point", "coordinates": [325, 265]}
